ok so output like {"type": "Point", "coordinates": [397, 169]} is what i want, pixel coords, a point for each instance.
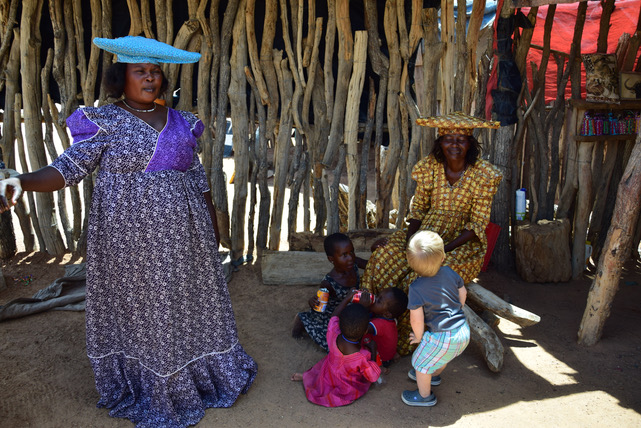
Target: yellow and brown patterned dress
{"type": "Point", "coordinates": [447, 210]}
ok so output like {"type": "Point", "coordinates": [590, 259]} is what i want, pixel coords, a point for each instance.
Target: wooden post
{"type": "Point", "coordinates": [31, 212]}
{"type": "Point", "coordinates": [345, 61]}
{"type": "Point", "coordinates": [351, 127]}
{"type": "Point", "coordinates": [218, 182]}
{"type": "Point", "coordinates": [281, 155]}
{"type": "Point", "coordinates": [238, 102]}
{"type": "Point", "coordinates": [12, 78]}
{"type": "Point", "coordinates": [53, 153]}
{"type": "Point", "coordinates": [470, 77]}
{"type": "Point", "coordinates": [431, 59]}
{"type": "Point", "coordinates": [583, 208]}
{"type": "Point", "coordinates": [617, 249]}
{"type": "Point", "coordinates": [253, 52]}
{"type": "Point", "coordinates": [30, 69]}
{"type": "Point", "coordinates": [501, 206]}
{"type": "Point", "coordinates": [389, 158]}
{"type": "Point", "coordinates": [448, 60]}
{"type": "Point", "coordinates": [462, 58]}
{"type": "Point", "coordinates": [571, 184]}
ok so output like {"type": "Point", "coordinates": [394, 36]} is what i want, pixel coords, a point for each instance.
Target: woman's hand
{"type": "Point", "coordinates": [379, 243]}
{"type": "Point", "coordinates": [465, 236]}
{"type": "Point", "coordinates": [413, 227]}
{"type": "Point", "coordinates": [10, 192]}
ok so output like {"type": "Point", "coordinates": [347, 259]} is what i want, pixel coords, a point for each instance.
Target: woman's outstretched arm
{"type": "Point", "coordinates": [47, 179]}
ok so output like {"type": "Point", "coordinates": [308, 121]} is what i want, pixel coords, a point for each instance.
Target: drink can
{"type": "Point", "coordinates": [359, 295]}
{"type": "Point", "coordinates": [323, 298]}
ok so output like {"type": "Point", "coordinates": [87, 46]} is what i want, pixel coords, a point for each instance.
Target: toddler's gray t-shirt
{"type": "Point", "coordinates": [438, 295]}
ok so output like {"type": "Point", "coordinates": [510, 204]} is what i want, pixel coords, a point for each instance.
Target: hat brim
{"type": "Point", "coordinates": [136, 49]}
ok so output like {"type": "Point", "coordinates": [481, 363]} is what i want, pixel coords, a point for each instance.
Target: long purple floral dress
{"type": "Point", "coordinates": [161, 333]}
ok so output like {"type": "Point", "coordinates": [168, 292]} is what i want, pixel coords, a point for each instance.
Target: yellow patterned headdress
{"type": "Point", "coordinates": [456, 123]}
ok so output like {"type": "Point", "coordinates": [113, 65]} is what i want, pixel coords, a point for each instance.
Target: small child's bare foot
{"type": "Point", "coordinates": [385, 370]}
{"type": "Point", "coordinates": [298, 328]}
{"type": "Point", "coordinates": [297, 377]}
{"type": "Point", "coordinates": [396, 357]}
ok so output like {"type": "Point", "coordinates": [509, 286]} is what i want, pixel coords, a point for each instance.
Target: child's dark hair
{"type": "Point", "coordinates": [353, 321]}
{"type": "Point", "coordinates": [114, 80]}
{"type": "Point", "coordinates": [398, 304]}
{"type": "Point", "coordinates": [331, 241]}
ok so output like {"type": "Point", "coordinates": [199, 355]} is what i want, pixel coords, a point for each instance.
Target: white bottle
{"type": "Point", "coordinates": [520, 204]}
{"type": "Point", "coordinates": [588, 253]}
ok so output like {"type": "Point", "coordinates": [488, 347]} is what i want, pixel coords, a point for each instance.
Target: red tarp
{"type": "Point", "coordinates": [623, 20]}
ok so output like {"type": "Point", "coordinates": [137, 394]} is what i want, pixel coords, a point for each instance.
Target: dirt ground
{"type": "Point", "coordinates": [547, 379]}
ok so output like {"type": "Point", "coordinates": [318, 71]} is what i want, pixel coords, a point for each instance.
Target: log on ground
{"type": "Point", "coordinates": [490, 301]}
{"type": "Point", "coordinates": [296, 267]}
{"type": "Point", "coordinates": [484, 337]}
{"type": "Point", "coordinates": [362, 239]}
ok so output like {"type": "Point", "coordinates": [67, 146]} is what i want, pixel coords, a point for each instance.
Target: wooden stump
{"type": "Point", "coordinates": [543, 252]}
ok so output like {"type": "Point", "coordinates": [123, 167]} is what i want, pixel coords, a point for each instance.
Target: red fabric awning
{"type": "Point", "coordinates": [623, 20]}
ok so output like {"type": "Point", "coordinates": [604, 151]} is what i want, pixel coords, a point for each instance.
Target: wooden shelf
{"type": "Point", "coordinates": [587, 138]}
{"type": "Point", "coordinates": [624, 105]}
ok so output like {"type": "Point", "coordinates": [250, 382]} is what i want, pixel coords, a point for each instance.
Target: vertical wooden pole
{"type": "Point", "coordinates": [30, 69]}
{"type": "Point", "coordinates": [238, 102]}
{"type": "Point", "coordinates": [345, 61]}
{"type": "Point", "coordinates": [583, 208]}
{"type": "Point", "coordinates": [617, 249]}
{"type": "Point", "coordinates": [390, 157]}
{"type": "Point", "coordinates": [218, 182]}
{"type": "Point", "coordinates": [283, 143]}
{"type": "Point", "coordinates": [448, 61]}
{"type": "Point", "coordinates": [351, 127]}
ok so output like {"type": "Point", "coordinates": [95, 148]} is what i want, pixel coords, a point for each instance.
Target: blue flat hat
{"type": "Point", "coordinates": [136, 50]}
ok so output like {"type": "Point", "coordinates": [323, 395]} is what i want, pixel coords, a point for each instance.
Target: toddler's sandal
{"type": "Point", "coordinates": [413, 398]}
{"type": "Point", "coordinates": [436, 380]}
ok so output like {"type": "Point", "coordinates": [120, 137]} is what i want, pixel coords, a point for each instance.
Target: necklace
{"type": "Point", "coordinates": [458, 176]}
{"type": "Point", "coordinates": [350, 341]}
{"type": "Point", "coordinates": [124, 100]}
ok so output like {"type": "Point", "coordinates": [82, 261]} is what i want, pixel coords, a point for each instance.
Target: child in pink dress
{"type": "Point", "coordinates": [349, 369]}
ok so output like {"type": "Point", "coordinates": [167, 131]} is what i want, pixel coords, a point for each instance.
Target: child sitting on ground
{"type": "Point", "coordinates": [436, 298]}
{"type": "Point", "coordinates": [347, 372]}
{"type": "Point", "coordinates": [390, 304]}
{"type": "Point", "coordinates": [340, 281]}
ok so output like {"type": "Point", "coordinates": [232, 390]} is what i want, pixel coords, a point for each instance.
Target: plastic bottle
{"type": "Point", "coordinates": [588, 253]}
{"type": "Point", "coordinates": [520, 204]}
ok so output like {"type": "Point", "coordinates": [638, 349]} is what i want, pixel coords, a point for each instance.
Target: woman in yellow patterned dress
{"type": "Point", "coordinates": [453, 198]}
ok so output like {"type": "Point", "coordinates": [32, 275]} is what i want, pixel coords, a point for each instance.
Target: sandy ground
{"type": "Point", "coordinates": [547, 379]}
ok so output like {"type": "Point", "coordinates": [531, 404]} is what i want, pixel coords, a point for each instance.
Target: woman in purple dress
{"type": "Point", "coordinates": [161, 333]}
